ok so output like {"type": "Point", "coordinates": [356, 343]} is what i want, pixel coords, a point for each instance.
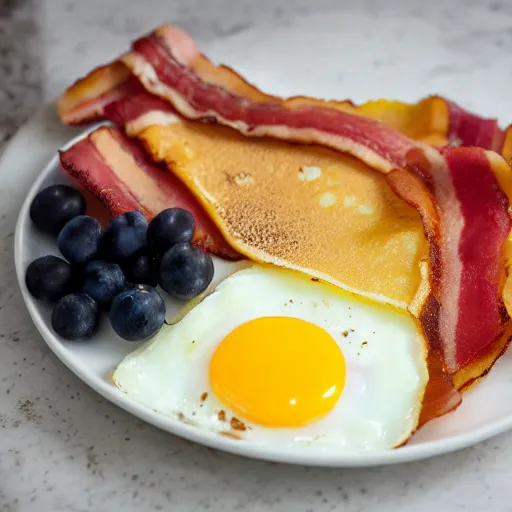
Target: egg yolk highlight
{"type": "Point", "coordinates": [278, 372]}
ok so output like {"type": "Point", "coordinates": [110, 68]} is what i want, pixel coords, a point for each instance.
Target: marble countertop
{"type": "Point", "coordinates": [64, 448]}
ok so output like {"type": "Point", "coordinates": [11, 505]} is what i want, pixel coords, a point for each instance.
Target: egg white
{"type": "Point", "coordinates": [384, 350]}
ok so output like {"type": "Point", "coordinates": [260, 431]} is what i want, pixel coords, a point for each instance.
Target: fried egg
{"type": "Point", "coordinates": [275, 357]}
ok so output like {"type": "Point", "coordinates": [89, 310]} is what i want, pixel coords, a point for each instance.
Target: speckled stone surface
{"type": "Point", "coordinates": [62, 447]}
{"type": "Point", "coordinates": [20, 64]}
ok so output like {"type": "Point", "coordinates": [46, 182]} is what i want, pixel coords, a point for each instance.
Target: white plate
{"type": "Point", "coordinates": [485, 412]}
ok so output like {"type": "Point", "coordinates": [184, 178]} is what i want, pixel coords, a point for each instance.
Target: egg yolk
{"type": "Point", "coordinates": [278, 372]}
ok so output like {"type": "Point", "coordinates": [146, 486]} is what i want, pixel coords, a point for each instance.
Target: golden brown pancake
{"type": "Point", "coordinates": [303, 207]}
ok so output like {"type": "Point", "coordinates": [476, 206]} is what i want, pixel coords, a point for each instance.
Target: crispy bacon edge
{"type": "Point", "coordinates": [99, 162]}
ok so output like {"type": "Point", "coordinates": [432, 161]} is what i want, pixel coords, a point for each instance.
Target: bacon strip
{"type": "Point", "coordinates": [85, 100]}
{"type": "Point", "coordinates": [466, 224]}
{"type": "Point", "coordinates": [467, 129]}
{"type": "Point", "coordinates": [437, 121]}
{"type": "Point", "coordinates": [470, 206]}
{"type": "Point", "coordinates": [433, 120]}
{"type": "Point", "coordinates": [116, 170]}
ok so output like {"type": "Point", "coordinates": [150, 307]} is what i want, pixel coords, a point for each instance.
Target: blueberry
{"type": "Point", "coordinates": [185, 271]}
{"type": "Point", "coordinates": [124, 236]}
{"type": "Point", "coordinates": [54, 206]}
{"type": "Point", "coordinates": [103, 281]}
{"type": "Point", "coordinates": [141, 268]}
{"type": "Point", "coordinates": [79, 240]}
{"type": "Point", "coordinates": [49, 278]}
{"type": "Point", "coordinates": [75, 316]}
{"type": "Point", "coordinates": [170, 227]}
{"type": "Point", "coordinates": [137, 313]}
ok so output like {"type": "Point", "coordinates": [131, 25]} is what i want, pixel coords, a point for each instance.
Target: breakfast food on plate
{"type": "Point", "coordinates": [433, 120]}
{"type": "Point", "coordinates": [277, 358]}
{"type": "Point", "coordinates": [141, 268]}
{"type": "Point", "coordinates": [102, 281]}
{"type": "Point", "coordinates": [302, 207]}
{"type": "Point", "coordinates": [376, 199]}
{"type": "Point", "coordinates": [137, 313]}
{"type": "Point", "coordinates": [125, 236]}
{"type": "Point", "coordinates": [75, 316]}
{"type": "Point", "coordinates": [54, 206]}
{"type": "Point", "coordinates": [49, 278]}
{"type": "Point", "coordinates": [351, 212]}
{"type": "Point", "coordinates": [185, 271]}
{"type": "Point", "coordinates": [122, 176]}
{"type": "Point", "coordinates": [79, 240]}
{"type": "Point", "coordinates": [170, 227]}
{"type": "Point", "coordinates": [85, 285]}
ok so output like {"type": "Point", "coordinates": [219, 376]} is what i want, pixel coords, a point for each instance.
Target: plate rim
{"type": "Point", "coordinates": [247, 449]}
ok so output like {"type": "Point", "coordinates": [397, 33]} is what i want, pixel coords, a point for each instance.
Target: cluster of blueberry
{"type": "Point", "coordinates": [113, 270]}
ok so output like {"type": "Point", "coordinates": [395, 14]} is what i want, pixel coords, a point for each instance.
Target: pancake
{"type": "Point", "coordinates": [303, 207]}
